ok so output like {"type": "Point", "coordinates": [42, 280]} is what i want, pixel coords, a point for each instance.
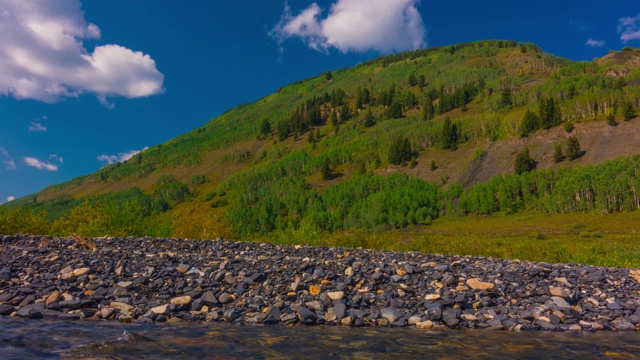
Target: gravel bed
{"type": "Point", "coordinates": [176, 280]}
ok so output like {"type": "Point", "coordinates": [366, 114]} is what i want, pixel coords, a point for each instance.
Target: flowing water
{"type": "Point", "coordinates": [23, 339]}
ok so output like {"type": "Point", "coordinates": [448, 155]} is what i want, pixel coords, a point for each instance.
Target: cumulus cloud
{"type": "Point", "coordinates": [42, 56]}
{"type": "Point", "coordinates": [629, 28]}
{"type": "Point", "coordinates": [356, 25]}
{"type": "Point", "coordinates": [121, 157]}
{"type": "Point", "coordinates": [594, 43]}
{"type": "Point", "coordinates": [40, 165]}
{"type": "Point", "coordinates": [11, 198]}
{"type": "Point", "coordinates": [8, 162]}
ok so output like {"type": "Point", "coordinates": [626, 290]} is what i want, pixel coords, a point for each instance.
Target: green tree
{"type": "Point", "coordinates": [505, 97]}
{"type": "Point", "coordinates": [449, 134]}
{"type": "Point", "coordinates": [627, 111]}
{"type": "Point", "coordinates": [328, 76]}
{"type": "Point", "coordinates": [421, 81]}
{"type": "Point", "coordinates": [611, 120]}
{"type": "Point", "coordinates": [333, 118]}
{"type": "Point", "coordinates": [326, 169]}
{"type": "Point", "coordinates": [524, 163]}
{"type": "Point", "coordinates": [550, 114]}
{"type": "Point", "coordinates": [573, 148]}
{"type": "Point", "coordinates": [558, 156]}
{"type": "Point", "coordinates": [265, 129]}
{"type": "Point", "coordinates": [428, 111]}
{"type": "Point", "coordinates": [395, 110]}
{"type": "Point", "coordinates": [400, 151]}
{"type": "Point", "coordinates": [369, 120]}
{"type": "Point", "coordinates": [433, 166]}
{"type": "Point", "coordinates": [413, 81]}
{"type": "Point", "coordinates": [345, 113]}
{"type": "Point", "coordinates": [530, 123]}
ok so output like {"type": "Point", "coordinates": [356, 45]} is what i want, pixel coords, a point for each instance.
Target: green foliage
{"type": "Point", "coordinates": [433, 166]}
{"type": "Point", "coordinates": [326, 169]}
{"type": "Point", "coordinates": [611, 120]}
{"type": "Point", "coordinates": [450, 134]}
{"type": "Point", "coordinates": [265, 129]}
{"type": "Point", "coordinates": [558, 155]}
{"type": "Point", "coordinates": [328, 76]}
{"type": "Point", "coordinates": [413, 81]}
{"type": "Point", "coordinates": [550, 114]}
{"type": "Point", "coordinates": [172, 193]}
{"type": "Point", "coordinates": [165, 179]}
{"type": "Point", "coordinates": [530, 123]}
{"type": "Point", "coordinates": [198, 179]}
{"type": "Point", "coordinates": [524, 163]}
{"type": "Point", "coordinates": [369, 120]}
{"type": "Point", "coordinates": [400, 151]}
{"type": "Point", "coordinates": [394, 111]}
{"type": "Point", "coordinates": [573, 148]}
{"type": "Point", "coordinates": [628, 112]}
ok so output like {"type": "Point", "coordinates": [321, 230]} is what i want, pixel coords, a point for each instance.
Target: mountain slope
{"type": "Point", "coordinates": [317, 154]}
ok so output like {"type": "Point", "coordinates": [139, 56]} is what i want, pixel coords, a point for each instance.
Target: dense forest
{"type": "Point", "coordinates": [315, 156]}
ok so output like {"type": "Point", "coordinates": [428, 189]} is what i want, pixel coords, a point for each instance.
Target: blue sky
{"type": "Point", "coordinates": [84, 83]}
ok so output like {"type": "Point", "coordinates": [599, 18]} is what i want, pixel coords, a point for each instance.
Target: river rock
{"type": "Point", "coordinates": [476, 284]}
{"type": "Point", "coordinates": [181, 300]}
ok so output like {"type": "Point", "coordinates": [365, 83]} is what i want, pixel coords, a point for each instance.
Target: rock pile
{"type": "Point", "coordinates": [147, 279]}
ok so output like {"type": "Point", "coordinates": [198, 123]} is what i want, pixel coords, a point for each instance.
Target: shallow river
{"type": "Point", "coordinates": [23, 339]}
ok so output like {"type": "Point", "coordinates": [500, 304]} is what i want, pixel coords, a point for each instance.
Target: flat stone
{"type": "Point", "coordinates": [120, 306]}
{"type": "Point", "coordinates": [225, 298]}
{"type": "Point", "coordinates": [161, 310]}
{"type": "Point", "coordinates": [81, 271]}
{"type": "Point", "coordinates": [476, 284]}
{"type": "Point", "coordinates": [6, 309]}
{"type": "Point", "coordinates": [432, 297]}
{"type": "Point", "coordinates": [53, 297]}
{"type": "Point", "coordinates": [390, 314]}
{"type": "Point", "coordinates": [469, 317]}
{"type": "Point", "coordinates": [339, 310]}
{"type": "Point", "coordinates": [413, 320]}
{"type": "Point", "coordinates": [209, 299]}
{"type": "Point", "coordinates": [560, 292]}
{"type": "Point", "coordinates": [336, 295]}
{"type": "Point", "coordinates": [424, 324]}
{"type": "Point", "coordinates": [451, 317]}
{"type": "Point", "coordinates": [561, 303]}
{"type": "Point", "coordinates": [181, 300]}
{"type": "Point", "coordinates": [125, 284]}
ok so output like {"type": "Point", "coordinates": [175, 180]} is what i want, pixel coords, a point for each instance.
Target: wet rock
{"type": "Point", "coordinates": [451, 317]}
{"type": "Point", "coordinates": [6, 309]}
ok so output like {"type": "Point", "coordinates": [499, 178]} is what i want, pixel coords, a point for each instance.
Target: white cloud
{"type": "Point", "coordinates": [121, 157]}
{"type": "Point", "coordinates": [56, 158]}
{"type": "Point", "coordinates": [42, 56]}
{"type": "Point", "coordinates": [36, 126]}
{"type": "Point", "coordinates": [11, 198]}
{"type": "Point", "coordinates": [40, 165]}
{"type": "Point", "coordinates": [629, 28]}
{"type": "Point", "coordinates": [7, 160]}
{"type": "Point", "coordinates": [594, 43]}
{"type": "Point", "coordinates": [356, 25]}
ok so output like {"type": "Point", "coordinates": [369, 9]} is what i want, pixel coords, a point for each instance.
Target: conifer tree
{"type": "Point", "coordinates": [524, 163]}
{"type": "Point", "coordinates": [558, 156]}
{"type": "Point", "coordinates": [573, 148]}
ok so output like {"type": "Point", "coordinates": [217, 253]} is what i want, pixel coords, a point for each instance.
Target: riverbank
{"type": "Point", "coordinates": [175, 280]}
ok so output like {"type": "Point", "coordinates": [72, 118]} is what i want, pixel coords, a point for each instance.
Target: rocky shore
{"type": "Point", "coordinates": [147, 279]}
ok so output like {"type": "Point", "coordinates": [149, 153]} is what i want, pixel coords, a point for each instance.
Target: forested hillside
{"type": "Point", "coordinates": [491, 127]}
